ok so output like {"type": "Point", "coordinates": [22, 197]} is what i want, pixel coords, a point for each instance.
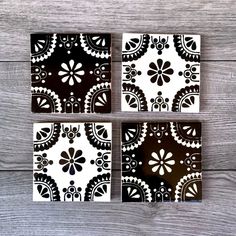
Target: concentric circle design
{"type": "Point", "coordinates": [98, 188]}
{"type": "Point", "coordinates": [98, 99]}
{"type": "Point", "coordinates": [133, 135]}
{"type": "Point", "coordinates": [42, 46]}
{"type": "Point", "coordinates": [96, 45]}
{"type": "Point", "coordinates": [135, 190]}
{"type": "Point", "coordinates": [135, 47]}
{"type": "Point", "coordinates": [187, 47]}
{"type": "Point", "coordinates": [133, 98]}
{"type": "Point", "coordinates": [186, 134]}
{"type": "Point", "coordinates": [45, 100]}
{"type": "Point", "coordinates": [189, 188]}
{"type": "Point", "coordinates": [46, 135]}
{"type": "Point", "coordinates": [187, 99]}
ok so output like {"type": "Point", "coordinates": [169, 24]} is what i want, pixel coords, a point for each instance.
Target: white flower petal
{"type": "Point", "coordinates": [71, 81]}
{"type": "Point", "coordinates": [71, 63]}
{"type": "Point", "coordinates": [155, 156]}
{"type": "Point", "coordinates": [161, 171]}
{"type": "Point", "coordinates": [155, 168]}
{"type": "Point", "coordinates": [62, 72]}
{"type": "Point", "coordinates": [78, 79]}
{"type": "Point", "coordinates": [190, 189]}
{"type": "Point", "coordinates": [80, 72]}
{"type": "Point", "coordinates": [189, 195]}
{"type": "Point", "coordinates": [168, 155]}
{"type": "Point", "coordinates": [104, 96]}
{"type": "Point", "coordinates": [170, 162]}
{"type": "Point", "coordinates": [152, 162]}
{"type": "Point", "coordinates": [78, 66]}
{"type": "Point", "coordinates": [64, 66]}
{"type": "Point", "coordinates": [168, 168]}
{"type": "Point", "coordinates": [195, 188]}
{"type": "Point", "coordinates": [162, 153]}
{"type": "Point", "coordinates": [64, 79]}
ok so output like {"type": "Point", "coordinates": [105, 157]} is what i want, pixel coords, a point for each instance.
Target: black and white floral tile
{"type": "Point", "coordinates": [72, 161]}
{"type": "Point", "coordinates": [160, 72]}
{"type": "Point", "coordinates": [71, 73]}
{"type": "Point", "coordinates": [161, 162]}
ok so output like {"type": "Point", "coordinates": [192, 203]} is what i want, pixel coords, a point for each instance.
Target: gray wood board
{"type": "Point", "coordinates": [218, 99]}
{"type": "Point", "coordinates": [215, 21]}
{"type": "Point", "coordinates": [214, 216]}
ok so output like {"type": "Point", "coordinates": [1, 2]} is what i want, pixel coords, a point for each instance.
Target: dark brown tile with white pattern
{"type": "Point", "coordinates": [71, 73]}
{"type": "Point", "coordinates": [161, 162]}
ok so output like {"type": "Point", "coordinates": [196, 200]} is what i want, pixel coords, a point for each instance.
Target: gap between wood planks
{"type": "Point", "coordinates": [121, 61]}
{"type": "Point", "coordinates": [204, 170]}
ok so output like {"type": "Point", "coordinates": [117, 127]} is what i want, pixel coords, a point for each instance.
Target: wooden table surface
{"type": "Point", "coordinates": [215, 21]}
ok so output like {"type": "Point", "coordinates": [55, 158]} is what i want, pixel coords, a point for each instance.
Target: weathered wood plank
{"type": "Point", "coordinates": [216, 215]}
{"type": "Point", "coordinates": [218, 114]}
{"type": "Point", "coordinates": [216, 22]}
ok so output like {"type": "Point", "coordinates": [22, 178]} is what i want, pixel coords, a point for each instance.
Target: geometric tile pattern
{"type": "Point", "coordinates": [161, 162]}
{"type": "Point", "coordinates": [160, 72]}
{"type": "Point", "coordinates": [72, 162]}
{"type": "Point", "coordinates": [71, 73]}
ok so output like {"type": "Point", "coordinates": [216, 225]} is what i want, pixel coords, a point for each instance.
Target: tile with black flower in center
{"type": "Point", "coordinates": [72, 161]}
{"type": "Point", "coordinates": [161, 162]}
{"type": "Point", "coordinates": [71, 73]}
{"type": "Point", "coordinates": [160, 72]}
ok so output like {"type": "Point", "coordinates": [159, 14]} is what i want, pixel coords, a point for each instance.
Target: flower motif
{"type": "Point", "coordinates": [72, 160]}
{"type": "Point", "coordinates": [162, 162]}
{"type": "Point", "coordinates": [71, 72]}
{"type": "Point", "coordinates": [102, 100]}
{"type": "Point", "coordinates": [99, 40]}
{"type": "Point", "coordinates": [43, 103]}
{"type": "Point", "coordinates": [192, 191]}
{"type": "Point", "coordinates": [191, 43]}
{"type": "Point", "coordinates": [190, 130]}
{"type": "Point", "coordinates": [101, 130]}
{"type": "Point", "coordinates": [133, 192]}
{"type": "Point", "coordinates": [159, 72]}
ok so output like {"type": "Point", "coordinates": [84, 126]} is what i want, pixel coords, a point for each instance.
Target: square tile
{"type": "Point", "coordinates": [160, 72]}
{"type": "Point", "coordinates": [72, 161]}
{"type": "Point", "coordinates": [71, 73]}
{"type": "Point", "coordinates": [161, 162]}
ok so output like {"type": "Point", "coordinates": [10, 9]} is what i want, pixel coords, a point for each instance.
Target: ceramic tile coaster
{"type": "Point", "coordinates": [72, 162]}
{"type": "Point", "coordinates": [161, 162]}
{"type": "Point", "coordinates": [71, 73]}
{"type": "Point", "coordinates": [160, 72]}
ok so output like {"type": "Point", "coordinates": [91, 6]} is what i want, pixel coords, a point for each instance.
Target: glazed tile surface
{"type": "Point", "coordinates": [71, 73]}
{"type": "Point", "coordinates": [160, 72]}
{"type": "Point", "coordinates": [161, 162]}
{"type": "Point", "coordinates": [72, 162]}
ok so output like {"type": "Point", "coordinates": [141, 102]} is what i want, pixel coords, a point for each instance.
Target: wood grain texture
{"type": "Point", "coordinates": [215, 21]}
{"type": "Point", "coordinates": [218, 99]}
{"type": "Point", "coordinates": [214, 216]}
